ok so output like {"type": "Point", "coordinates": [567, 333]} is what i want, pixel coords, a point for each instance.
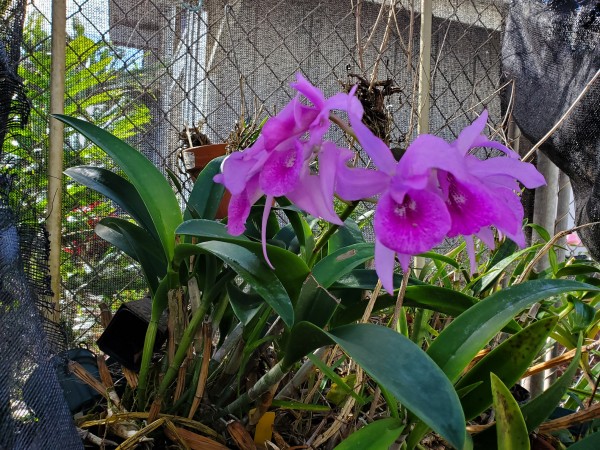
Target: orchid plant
{"type": "Point", "coordinates": [261, 283]}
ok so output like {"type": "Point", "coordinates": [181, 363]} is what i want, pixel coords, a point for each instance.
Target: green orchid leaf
{"type": "Point", "coordinates": [591, 442]}
{"type": "Point", "coordinates": [442, 258]}
{"type": "Point", "coordinates": [508, 362]}
{"type": "Point", "coordinates": [245, 305]}
{"type": "Point", "coordinates": [251, 267]}
{"type": "Point", "coordinates": [506, 248]}
{"type": "Point", "coordinates": [347, 235]}
{"type": "Point", "coordinates": [365, 279]}
{"type": "Point", "coordinates": [582, 316]}
{"type": "Point", "coordinates": [136, 243]}
{"type": "Point", "coordinates": [116, 188]}
{"type": "Point", "coordinates": [399, 365]}
{"type": "Point", "coordinates": [444, 300]}
{"type": "Point", "coordinates": [378, 435]}
{"type": "Point", "coordinates": [337, 264]}
{"type": "Point", "coordinates": [302, 229]}
{"type": "Point", "coordinates": [315, 303]}
{"type": "Point", "coordinates": [491, 275]}
{"type": "Point", "coordinates": [206, 194]}
{"type": "Point", "coordinates": [512, 433]}
{"type": "Point", "coordinates": [289, 268]}
{"type": "Point", "coordinates": [151, 185]}
{"type": "Point", "coordinates": [460, 341]}
{"type": "Point", "coordinates": [206, 230]}
{"type": "Point", "coordinates": [576, 269]}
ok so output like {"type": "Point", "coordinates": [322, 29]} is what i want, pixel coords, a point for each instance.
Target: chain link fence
{"type": "Point", "coordinates": [146, 69]}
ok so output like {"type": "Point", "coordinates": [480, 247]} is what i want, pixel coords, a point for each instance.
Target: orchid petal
{"type": "Point", "coordinates": [464, 141]}
{"type": "Point", "coordinates": [373, 146]}
{"type": "Point", "coordinates": [281, 171]}
{"type": "Point", "coordinates": [237, 214]}
{"type": "Point", "coordinates": [471, 207]}
{"type": "Point", "coordinates": [237, 168]}
{"type": "Point", "coordinates": [263, 228]}
{"type": "Point", "coordinates": [293, 120]}
{"type": "Point", "coordinates": [239, 207]}
{"type": "Point", "coordinates": [404, 261]}
{"type": "Point", "coordinates": [429, 152]}
{"type": "Point", "coordinates": [312, 93]}
{"type": "Point", "coordinates": [338, 101]}
{"type": "Point", "coordinates": [414, 226]}
{"type": "Point", "coordinates": [526, 173]}
{"type": "Point", "coordinates": [357, 183]}
{"type": "Point", "coordinates": [482, 141]}
{"type": "Point", "coordinates": [384, 265]}
{"type": "Point", "coordinates": [510, 215]}
{"type": "Point", "coordinates": [487, 236]}
{"type": "Point", "coordinates": [310, 197]}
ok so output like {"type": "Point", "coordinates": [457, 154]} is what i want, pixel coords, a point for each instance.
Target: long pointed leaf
{"type": "Point", "coordinates": [116, 188]}
{"type": "Point", "coordinates": [150, 183]}
{"type": "Point", "coordinates": [540, 408]}
{"type": "Point", "coordinates": [512, 433]}
{"type": "Point", "coordinates": [289, 268]}
{"type": "Point", "coordinates": [508, 362]}
{"type": "Point", "coordinates": [138, 244]}
{"type": "Point", "coordinates": [398, 364]}
{"type": "Point", "coordinates": [436, 298]}
{"type": "Point", "coordinates": [342, 261]}
{"type": "Point", "coordinates": [460, 341]}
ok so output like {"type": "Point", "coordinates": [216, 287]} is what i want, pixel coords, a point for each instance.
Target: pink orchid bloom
{"type": "Point", "coordinates": [573, 239]}
{"type": "Point", "coordinates": [279, 162]}
{"type": "Point", "coordinates": [438, 189]}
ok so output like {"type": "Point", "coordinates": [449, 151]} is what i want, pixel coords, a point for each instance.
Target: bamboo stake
{"type": "Point", "coordinates": [55, 156]}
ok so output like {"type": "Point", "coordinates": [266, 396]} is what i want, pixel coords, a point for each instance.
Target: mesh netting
{"type": "Point", "coordinates": [33, 412]}
{"type": "Point", "coordinates": [550, 49]}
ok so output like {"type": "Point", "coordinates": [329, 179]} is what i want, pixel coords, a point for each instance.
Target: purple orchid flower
{"type": "Point", "coordinates": [279, 162]}
{"type": "Point", "coordinates": [438, 189]}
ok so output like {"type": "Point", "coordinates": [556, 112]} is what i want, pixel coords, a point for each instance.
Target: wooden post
{"type": "Point", "coordinates": [56, 140]}
{"type": "Point", "coordinates": [424, 84]}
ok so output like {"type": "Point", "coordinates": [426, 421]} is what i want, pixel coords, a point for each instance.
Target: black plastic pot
{"type": "Point", "coordinates": [124, 336]}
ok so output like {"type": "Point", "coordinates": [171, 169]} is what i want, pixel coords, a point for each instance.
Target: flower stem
{"type": "Point", "coordinates": [329, 232]}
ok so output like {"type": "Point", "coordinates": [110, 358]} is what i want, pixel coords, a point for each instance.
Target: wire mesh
{"type": "Point", "coordinates": [144, 69]}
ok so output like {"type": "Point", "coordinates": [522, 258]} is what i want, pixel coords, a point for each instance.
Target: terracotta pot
{"type": "Point", "coordinates": [196, 158]}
